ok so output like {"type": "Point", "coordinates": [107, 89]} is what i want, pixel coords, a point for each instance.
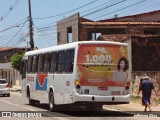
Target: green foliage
{"type": "Point", "coordinates": [16, 61]}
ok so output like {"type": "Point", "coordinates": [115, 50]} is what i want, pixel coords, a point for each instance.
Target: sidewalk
{"type": "Point", "coordinates": [16, 88]}
{"type": "Point", "coordinates": [133, 107]}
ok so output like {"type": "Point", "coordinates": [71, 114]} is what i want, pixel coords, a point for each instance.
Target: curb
{"type": "Point", "coordinates": [15, 90]}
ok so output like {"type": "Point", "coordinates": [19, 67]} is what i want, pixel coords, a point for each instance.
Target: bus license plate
{"type": "Point", "coordinates": [102, 88]}
{"type": "Point", "coordinates": [115, 92]}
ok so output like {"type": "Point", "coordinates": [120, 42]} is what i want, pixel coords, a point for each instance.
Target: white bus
{"type": "Point", "coordinates": [90, 73]}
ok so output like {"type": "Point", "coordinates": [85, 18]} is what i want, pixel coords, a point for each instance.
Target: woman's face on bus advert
{"type": "Point", "coordinates": [122, 65]}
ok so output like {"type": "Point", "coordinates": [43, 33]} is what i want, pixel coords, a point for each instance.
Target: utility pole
{"type": "Point", "coordinates": [30, 26]}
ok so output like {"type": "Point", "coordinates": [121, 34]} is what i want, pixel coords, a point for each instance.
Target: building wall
{"type": "Point", "coordinates": [145, 53]}
{"type": "Point", "coordinates": [5, 55]}
{"type": "Point", "coordinates": [146, 17]}
{"type": "Point", "coordinates": [62, 25]}
{"type": "Point", "coordinates": [12, 75]}
{"type": "Point", "coordinates": [6, 70]}
{"type": "Point", "coordinates": [83, 34]}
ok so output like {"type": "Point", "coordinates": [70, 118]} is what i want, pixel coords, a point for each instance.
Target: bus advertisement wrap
{"type": "Point", "coordinates": [103, 65]}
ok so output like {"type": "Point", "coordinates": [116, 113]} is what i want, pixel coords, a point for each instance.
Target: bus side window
{"type": "Point", "coordinates": [53, 62]}
{"type": "Point", "coordinates": [29, 70]}
{"type": "Point", "coordinates": [40, 63]}
{"type": "Point", "coordinates": [61, 61]}
{"type": "Point", "coordinates": [46, 62]}
{"type": "Point", "coordinates": [49, 61]}
{"type": "Point", "coordinates": [69, 61]}
{"type": "Point", "coordinates": [34, 66]}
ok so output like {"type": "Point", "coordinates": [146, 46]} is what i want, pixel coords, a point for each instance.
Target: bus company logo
{"type": "Point", "coordinates": [41, 82]}
{"type": "Point", "coordinates": [101, 49]}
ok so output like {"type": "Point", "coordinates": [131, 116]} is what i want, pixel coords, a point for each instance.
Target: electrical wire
{"type": "Point", "coordinates": [119, 9]}
{"type": "Point", "coordinates": [103, 8]}
{"type": "Point", "coordinates": [13, 26]}
{"type": "Point", "coordinates": [142, 8]}
{"type": "Point", "coordinates": [9, 10]}
{"type": "Point", "coordinates": [98, 6]}
{"type": "Point", "coordinates": [20, 41]}
{"type": "Point", "coordinates": [15, 34]}
{"type": "Point", "coordinates": [67, 11]}
{"type": "Point", "coordinates": [43, 33]}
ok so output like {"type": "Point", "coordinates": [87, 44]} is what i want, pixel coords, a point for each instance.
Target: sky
{"type": "Point", "coordinates": [14, 24]}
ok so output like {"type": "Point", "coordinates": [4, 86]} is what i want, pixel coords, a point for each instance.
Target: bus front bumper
{"type": "Point", "coordinates": [97, 98]}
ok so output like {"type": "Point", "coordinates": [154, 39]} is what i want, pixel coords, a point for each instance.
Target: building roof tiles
{"type": "Point", "coordinates": [120, 23]}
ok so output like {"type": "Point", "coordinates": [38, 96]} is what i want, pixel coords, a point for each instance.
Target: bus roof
{"type": "Point", "coordinates": [71, 45]}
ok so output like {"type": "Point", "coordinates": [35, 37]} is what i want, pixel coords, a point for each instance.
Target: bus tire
{"type": "Point", "coordinates": [31, 102]}
{"type": "Point", "coordinates": [52, 106]}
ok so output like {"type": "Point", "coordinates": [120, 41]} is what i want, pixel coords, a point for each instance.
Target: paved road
{"type": "Point", "coordinates": [19, 107]}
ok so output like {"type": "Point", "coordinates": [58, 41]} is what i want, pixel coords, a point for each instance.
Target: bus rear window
{"type": "Point", "coordinates": [69, 61]}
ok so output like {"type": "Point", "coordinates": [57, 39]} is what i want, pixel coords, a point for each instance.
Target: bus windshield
{"type": "Point", "coordinates": [102, 65]}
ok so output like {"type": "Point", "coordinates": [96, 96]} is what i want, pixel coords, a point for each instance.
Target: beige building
{"type": "Point", "coordinates": [12, 75]}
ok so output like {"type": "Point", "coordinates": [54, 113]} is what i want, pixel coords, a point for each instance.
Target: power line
{"type": "Point", "coordinates": [98, 10]}
{"type": "Point", "coordinates": [20, 41]}
{"type": "Point", "coordinates": [15, 34]}
{"type": "Point", "coordinates": [43, 32]}
{"type": "Point", "coordinates": [4, 38]}
{"type": "Point", "coordinates": [103, 8]}
{"type": "Point", "coordinates": [46, 28]}
{"type": "Point", "coordinates": [67, 11]}
{"type": "Point", "coordinates": [44, 36]}
{"type": "Point", "coordinates": [143, 8]}
{"type": "Point", "coordinates": [48, 24]}
{"type": "Point", "coordinates": [13, 26]}
{"type": "Point", "coordinates": [119, 9]}
{"type": "Point", "coordinates": [42, 26]}
{"type": "Point", "coordinates": [111, 1]}
{"type": "Point", "coordinates": [9, 10]}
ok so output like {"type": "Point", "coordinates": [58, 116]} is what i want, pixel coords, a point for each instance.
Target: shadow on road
{"type": "Point", "coordinates": [74, 111]}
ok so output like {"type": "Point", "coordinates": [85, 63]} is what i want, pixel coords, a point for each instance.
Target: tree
{"type": "Point", "coordinates": [16, 61]}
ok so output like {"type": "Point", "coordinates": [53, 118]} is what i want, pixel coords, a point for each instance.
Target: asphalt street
{"type": "Point", "coordinates": [18, 107]}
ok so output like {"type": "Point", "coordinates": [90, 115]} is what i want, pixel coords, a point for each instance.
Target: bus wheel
{"type": "Point", "coordinates": [52, 106]}
{"type": "Point", "coordinates": [31, 102]}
